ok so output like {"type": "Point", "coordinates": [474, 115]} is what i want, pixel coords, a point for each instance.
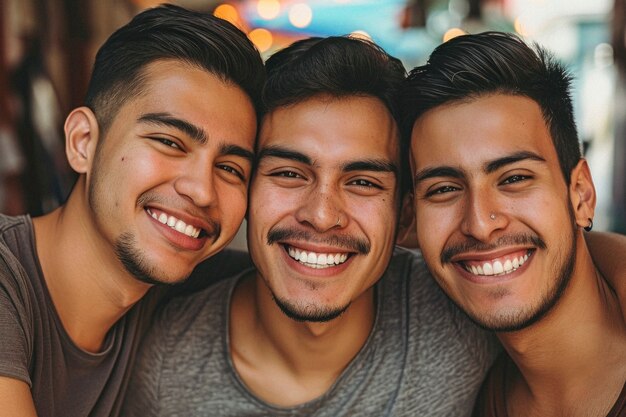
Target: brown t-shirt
{"type": "Point", "coordinates": [491, 401]}
{"type": "Point", "coordinates": [34, 347]}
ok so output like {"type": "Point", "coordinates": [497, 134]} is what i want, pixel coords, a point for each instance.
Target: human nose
{"type": "Point", "coordinates": [197, 183]}
{"type": "Point", "coordinates": [482, 216]}
{"type": "Point", "coordinates": [323, 209]}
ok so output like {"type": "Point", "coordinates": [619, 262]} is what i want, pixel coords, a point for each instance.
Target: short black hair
{"type": "Point", "coordinates": [337, 66]}
{"type": "Point", "coordinates": [170, 32]}
{"type": "Point", "coordinates": [472, 66]}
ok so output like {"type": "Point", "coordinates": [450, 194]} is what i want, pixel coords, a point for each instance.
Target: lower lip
{"type": "Point", "coordinates": [494, 279]}
{"type": "Point", "coordinates": [176, 238]}
{"type": "Point", "coordinates": [316, 272]}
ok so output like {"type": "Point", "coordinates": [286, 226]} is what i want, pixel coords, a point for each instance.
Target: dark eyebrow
{"type": "Point", "coordinates": [283, 153]}
{"type": "Point", "coordinates": [442, 171]}
{"type": "Point", "coordinates": [377, 165]}
{"type": "Point", "coordinates": [490, 167]}
{"type": "Point", "coordinates": [165, 119]}
{"type": "Point", "coordinates": [237, 150]}
{"type": "Point", "coordinates": [511, 159]}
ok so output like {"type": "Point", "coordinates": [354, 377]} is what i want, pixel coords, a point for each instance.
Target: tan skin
{"type": "Point", "coordinates": [569, 362]}
{"type": "Point", "coordinates": [144, 165]}
{"type": "Point", "coordinates": [306, 154]}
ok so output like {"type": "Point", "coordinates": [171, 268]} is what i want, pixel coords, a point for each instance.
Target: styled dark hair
{"type": "Point", "coordinates": [170, 32]}
{"type": "Point", "coordinates": [338, 66]}
{"type": "Point", "coordinates": [471, 66]}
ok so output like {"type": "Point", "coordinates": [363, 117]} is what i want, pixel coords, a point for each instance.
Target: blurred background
{"type": "Point", "coordinates": [47, 49]}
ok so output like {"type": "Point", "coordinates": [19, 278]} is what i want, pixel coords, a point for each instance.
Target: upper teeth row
{"type": "Point", "coordinates": [497, 267]}
{"type": "Point", "coordinates": [176, 224]}
{"type": "Point", "coordinates": [317, 259]}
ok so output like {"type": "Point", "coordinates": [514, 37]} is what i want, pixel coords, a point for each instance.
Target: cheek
{"type": "Point", "coordinates": [434, 224]}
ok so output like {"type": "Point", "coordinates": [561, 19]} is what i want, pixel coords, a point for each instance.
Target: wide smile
{"type": "Point", "coordinates": [502, 265]}
{"type": "Point", "coordinates": [175, 223]}
{"type": "Point", "coordinates": [317, 260]}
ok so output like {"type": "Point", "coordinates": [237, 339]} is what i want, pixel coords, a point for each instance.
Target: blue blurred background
{"type": "Point", "coordinates": [47, 49]}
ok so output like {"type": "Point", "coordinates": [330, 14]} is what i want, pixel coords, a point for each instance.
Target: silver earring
{"type": "Point", "coordinates": [589, 227]}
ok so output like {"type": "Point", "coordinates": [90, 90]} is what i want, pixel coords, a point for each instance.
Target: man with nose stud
{"type": "Point", "coordinates": [163, 149]}
{"type": "Point", "coordinates": [333, 321]}
{"type": "Point", "coordinates": [502, 198]}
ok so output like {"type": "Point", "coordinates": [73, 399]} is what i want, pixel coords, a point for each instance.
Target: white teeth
{"type": "Point", "coordinates": [497, 267]}
{"type": "Point", "coordinates": [317, 260]}
{"type": "Point", "coordinates": [176, 224]}
{"type": "Point", "coordinates": [180, 226]}
{"type": "Point", "coordinates": [508, 266]}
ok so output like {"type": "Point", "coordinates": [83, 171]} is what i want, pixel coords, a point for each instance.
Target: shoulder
{"type": "Point", "coordinates": [17, 302]}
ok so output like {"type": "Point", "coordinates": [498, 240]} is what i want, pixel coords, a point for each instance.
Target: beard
{"type": "Point", "coordinates": [134, 260]}
{"type": "Point", "coordinates": [308, 312]}
{"type": "Point", "coordinates": [125, 246]}
{"type": "Point", "coordinates": [532, 313]}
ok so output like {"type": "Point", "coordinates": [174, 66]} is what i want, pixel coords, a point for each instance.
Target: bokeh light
{"type": "Point", "coordinates": [300, 15]}
{"type": "Point", "coordinates": [268, 9]}
{"type": "Point", "coordinates": [261, 38]}
{"type": "Point", "coordinates": [452, 33]}
{"type": "Point", "coordinates": [228, 12]}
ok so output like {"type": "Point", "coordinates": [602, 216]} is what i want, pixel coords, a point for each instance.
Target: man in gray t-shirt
{"type": "Point", "coordinates": [331, 322]}
{"type": "Point", "coordinates": [163, 149]}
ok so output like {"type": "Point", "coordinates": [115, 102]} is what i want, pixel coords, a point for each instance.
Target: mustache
{"type": "Point", "coordinates": [351, 243]}
{"type": "Point", "coordinates": [473, 245]}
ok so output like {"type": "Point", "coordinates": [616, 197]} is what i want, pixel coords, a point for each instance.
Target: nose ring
{"type": "Point", "coordinates": [338, 220]}
{"type": "Point", "coordinates": [492, 216]}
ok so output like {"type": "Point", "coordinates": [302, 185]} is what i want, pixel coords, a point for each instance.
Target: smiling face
{"type": "Point", "coordinates": [494, 217]}
{"type": "Point", "coordinates": [323, 203]}
{"type": "Point", "coordinates": [168, 184]}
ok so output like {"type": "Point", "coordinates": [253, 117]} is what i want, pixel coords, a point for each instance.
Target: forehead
{"type": "Point", "coordinates": [193, 94]}
{"type": "Point", "coordinates": [466, 134]}
{"type": "Point", "coordinates": [333, 129]}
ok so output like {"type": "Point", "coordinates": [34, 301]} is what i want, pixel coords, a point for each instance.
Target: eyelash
{"type": "Point", "coordinates": [365, 184]}
{"type": "Point", "coordinates": [442, 190]}
{"type": "Point", "coordinates": [286, 174]}
{"type": "Point", "coordinates": [169, 143]}
{"type": "Point", "coordinates": [515, 178]}
{"type": "Point", "coordinates": [233, 171]}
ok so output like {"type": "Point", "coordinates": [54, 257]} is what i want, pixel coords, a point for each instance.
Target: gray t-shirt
{"type": "Point", "coordinates": [422, 358]}
{"type": "Point", "coordinates": [35, 348]}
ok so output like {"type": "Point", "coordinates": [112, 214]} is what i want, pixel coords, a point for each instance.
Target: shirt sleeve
{"type": "Point", "coordinates": [16, 320]}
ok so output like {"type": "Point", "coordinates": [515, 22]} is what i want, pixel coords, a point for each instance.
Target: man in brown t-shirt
{"type": "Point", "coordinates": [502, 196]}
{"type": "Point", "coordinates": [163, 149]}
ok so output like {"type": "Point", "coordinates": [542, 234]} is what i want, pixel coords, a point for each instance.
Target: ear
{"type": "Point", "coordinates": [407, 234]}
{"type": "Point", "coordinates": [81, 138]}
{"type": "Point", "coordinates": [582, 194]}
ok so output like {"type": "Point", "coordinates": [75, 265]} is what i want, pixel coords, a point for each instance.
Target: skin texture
{"type": "Point", "coordinates": [330, 163]}
{"type": "Point", "coordinates": [528, 197]}
{"type": "Point", "coordinates": [145, 161]}
{"type": "Point", "coordinates": [488, 187]}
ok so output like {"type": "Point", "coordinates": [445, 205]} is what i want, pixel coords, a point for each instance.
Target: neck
{"type": "Point", "coordinates": [89, 287]}
{"type": "Point", "coordinates": [304, 358]}
{"type": "Point", "coordinates": [574, 352]}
